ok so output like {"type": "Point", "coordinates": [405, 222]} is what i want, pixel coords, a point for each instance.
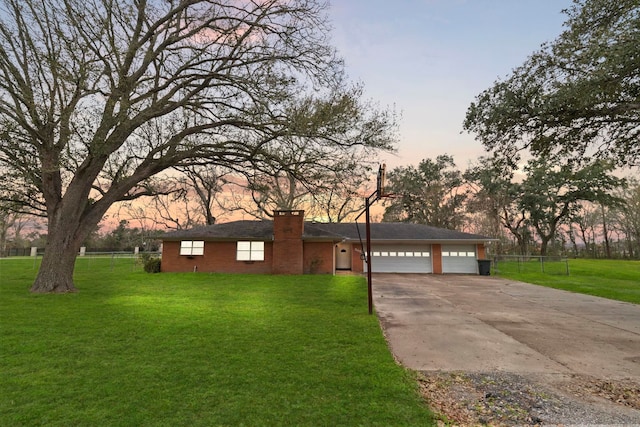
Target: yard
{"type": "Point", "coordinates": [613, 279]}
{"type": "Point", "coordinates": [131, 348]}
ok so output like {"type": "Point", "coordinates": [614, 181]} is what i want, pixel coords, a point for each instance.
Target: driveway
{"type": "Point", "coordinates": [482, 323]}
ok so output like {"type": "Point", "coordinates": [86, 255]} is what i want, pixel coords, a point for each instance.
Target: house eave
{"type": "Point", "coordinates": [425, 241]}
{"type": "Point", "coordinates": [323, 239]}
{"type": "Point", "coordinates": [219, 239]}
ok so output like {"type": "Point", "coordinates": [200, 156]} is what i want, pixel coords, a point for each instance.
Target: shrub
{"type": "Point", "coordinates": [151, 263]}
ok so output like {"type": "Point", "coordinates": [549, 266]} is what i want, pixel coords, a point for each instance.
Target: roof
{"type": "Point", "coordinates": [396, 231]}
{"type": "Point", "coordinates": [382, 231]}
{"type": "Point", "coordinates": [234, 230]}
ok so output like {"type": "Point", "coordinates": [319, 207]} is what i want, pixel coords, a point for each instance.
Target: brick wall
{"type": "Point", "coordinates": [318, 257]}
{"type": "Point", "coordinates": [357, 263]}
{"type": "Point", "coordinates": [481, 251]}
{"type": "Point", "coordinates": [436, 254]}
{"type": "Point", "coordinates": [218, 257]}
{"type": "Point", "coordinates": [288, 227]}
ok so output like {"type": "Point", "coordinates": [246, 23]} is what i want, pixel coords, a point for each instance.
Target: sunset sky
{"type": "Point", "coordinates": [428, 59]}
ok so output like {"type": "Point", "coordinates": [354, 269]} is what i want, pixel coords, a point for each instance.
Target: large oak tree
{"type": "Point", "coordinates": [97, 96]}
{"type": "Point", "coordinates": [548, 196]}
{"type": "Point", "coordinates": [328, 185]}
{"type": "Point", "coordinates": [431, 193]}
{"type": "Point", "coordinates": [627, 218]}
{"type": "Point", "coordinates": [578, 96]}
{"type": "Point", "coordinates": [495, 194]}
{"type": "Point", "coordinates": [552, 193]}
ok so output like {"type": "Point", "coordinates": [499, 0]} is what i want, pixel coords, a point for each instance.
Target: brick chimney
{"type": "Point", "coordinates": [288, 227]}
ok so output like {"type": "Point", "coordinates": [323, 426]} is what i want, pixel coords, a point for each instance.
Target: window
{"type": "Point", "coordinates": [192, 247]}
{"type": "Point", "coordinates": [250, 251]}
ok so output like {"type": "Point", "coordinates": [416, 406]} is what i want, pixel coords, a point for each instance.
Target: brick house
{"type": "Point", "coordinates": [289, 245]}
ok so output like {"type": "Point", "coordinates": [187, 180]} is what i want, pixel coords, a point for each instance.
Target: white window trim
{"type": "Point", "coordinates": [192, 247]}
{"type": "Point", "coordinates": [250, 251]}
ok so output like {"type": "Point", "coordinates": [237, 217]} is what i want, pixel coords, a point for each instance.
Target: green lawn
{"type": "Point", "coordinates": [613, 279]}
{"type": "Point", "coordinates": [134, 349]}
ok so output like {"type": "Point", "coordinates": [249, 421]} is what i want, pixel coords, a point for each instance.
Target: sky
{"type": "Point", "coordinates": [429, 59]}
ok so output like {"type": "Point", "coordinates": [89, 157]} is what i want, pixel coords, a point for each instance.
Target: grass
{"type": "Point", "coordinates": [134, 349]}
{"type": "Point", "coordinates": [613, 279]}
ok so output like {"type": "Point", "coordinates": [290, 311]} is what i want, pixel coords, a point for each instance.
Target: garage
{"type": "Point", "coordinates": [401, 259]}
{"type": "Point", "coordinates": [459, 259]}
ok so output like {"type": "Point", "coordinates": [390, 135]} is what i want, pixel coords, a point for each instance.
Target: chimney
{"type": "Point", "coordinates": [288, 227]}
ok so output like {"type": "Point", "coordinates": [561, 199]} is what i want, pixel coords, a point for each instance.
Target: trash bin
{"type": "Point", "coordinates": [484, 267]}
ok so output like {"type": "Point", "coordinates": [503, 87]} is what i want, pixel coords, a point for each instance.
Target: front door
{"type": "Point", "coordinates": [343, 256]}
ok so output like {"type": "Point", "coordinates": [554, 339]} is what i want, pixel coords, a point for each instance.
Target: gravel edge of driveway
{"type": "Point", "coordinates": [502, 398]}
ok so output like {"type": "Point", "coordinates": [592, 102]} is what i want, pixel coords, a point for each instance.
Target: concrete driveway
{"type": "Point", "coordinates": [481, 323]}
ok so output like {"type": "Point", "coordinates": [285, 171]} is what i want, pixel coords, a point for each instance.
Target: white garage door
{"type": "Point", "coordinates": [401, 259]}
{"type": "Point", "coordinates": [459, 259]}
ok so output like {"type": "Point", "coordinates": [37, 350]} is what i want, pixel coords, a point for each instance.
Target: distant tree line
{"type": "Point", "coordinates": [547, 207]}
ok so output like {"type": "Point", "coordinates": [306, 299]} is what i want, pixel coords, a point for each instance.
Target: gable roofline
{"type": "Point", "coordinates": [423, 241]}
{"type": "Point", "coordinates": [226, 231]}
{"type": "Point", "coordinates": [381, 232]}
{"type": "Point", "coordinates": [400, 232]}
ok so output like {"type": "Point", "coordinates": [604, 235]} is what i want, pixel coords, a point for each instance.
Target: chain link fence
{"type": "Point", "coordinates": [556, 265]}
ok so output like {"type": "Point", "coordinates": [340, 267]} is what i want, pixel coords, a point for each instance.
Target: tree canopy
{"type": "Point", "coordinates": [552, 193]}
{"type": "Point", "coordinates": [549, 195]}
{"type": "Point", "coordinates": [578, 96]}
{"type": "Point", "coordinates": [494, 195]}
{"type": "Point", "coordinates": [97, 97]}
{"type": "Point", "coordinates": [430, 193]}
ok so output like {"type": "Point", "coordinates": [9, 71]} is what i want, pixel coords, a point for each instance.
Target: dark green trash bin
{"type": "Point", "coordinates": [484, 267]}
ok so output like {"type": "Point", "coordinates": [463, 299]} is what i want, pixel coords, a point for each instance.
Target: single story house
{"type": "Point", "coordinates": [289, 245]}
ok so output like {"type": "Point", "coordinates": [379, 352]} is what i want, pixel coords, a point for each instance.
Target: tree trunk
{"type": "Point", "coordinates": [210, 218]}
{"type": "Point", "coordinates": [56, 271]}
{"type": "Point", "coordinates": [605, 233]}
{"type": "Point", "coordinates": [3, 238]}
{"type": "Point", "coordinates": [544, 243]}
{"type": "Point", "coordinates": [574, 243]}
{"type": "Point", "coordinates": [63, 244]}
{"type": "Point", "coordinates": [585, 239]}
{"type": "Point", "coordinates": [522, 244]}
